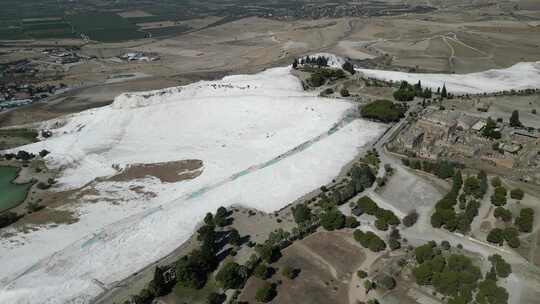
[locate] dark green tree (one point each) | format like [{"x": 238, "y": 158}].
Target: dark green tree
[
  {"x": 514, "y": 119},
  {"x": 496, "y": 236},
  {"x": 444, "y": 94},
  {"x": 301, "y": 213},
  {"x": 502, "y": 268},
  {"x": 231, "y": 275},
  {"x": 332, "y": 219}
]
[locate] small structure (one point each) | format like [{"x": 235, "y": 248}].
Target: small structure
[
  {"x": 169, "y": 275},
  {"x": 413, "y": 139},
  {"x": 479, "y": 125},
  {"x": 510, "y": 148},
  {"x": 482, "y": 106},
  {"x": 357, "y": 211}
]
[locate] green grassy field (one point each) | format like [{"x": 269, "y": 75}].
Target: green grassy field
[
  {"x": 12, "y": 138},
  {"x": 101, "y": 19}
]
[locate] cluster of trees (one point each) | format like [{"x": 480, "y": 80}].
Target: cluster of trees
[
  {"x": 221, "y": 219},
  {"x": 369, "y": 240},
  {"x": 499, "y": 266},
  {"x": 302, "y": 213},
  {"x": 232, "y": 275},
  {"x": 503, "y": 214},
  {"x": 525, "y": 220},
  {"x": 360, "y": 177},
  {"x": 445, "y": 214},
  {"x": 332, "y": 219},
  {"x": 385, "y": 218},
  {"x": 442, "y": 169},
  {"x": 7, "y": 218},
  {"x": 455, "y": 276},
  {"x": 394, "y": 239},
  {"x": 407, "y": 92},
  {"x": 476, "y": 186},
  {"x": 20, "y": 155},
  {"x": 383, "y": 110},
  {"x": 372, "y": 158},
  {"x": 321, "y": 75},
  {"x": 319, "y": 61},
  {"x": 193, "y": 269},
  {"x": 490, "y": 129},
  {"x": 349, "y": 67},
  {"x": 523, "y": 223},
  {"x": 499, "y": 196},
  {"x": 508, "y": 234},
  {"x": 388, "y": 172}
]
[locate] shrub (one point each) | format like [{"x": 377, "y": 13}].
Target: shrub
[
  {"x": 265, "y": 293},
  {"x": 289, "y": 272},
  {"x": 410, "y": 219},
  {"x": 351, "y": 222},
  {"x": 445, "y": 245},
  {"x": 361, "y": 274},
  {"x": 216, "y": 298},
  {"x": 262, "y": 271},
  {"x": 369, "y": 240},
  {"x": 496, "y": 182},
  {"x": 394, "y": 244},
  {"x": 386, "y": 282}
]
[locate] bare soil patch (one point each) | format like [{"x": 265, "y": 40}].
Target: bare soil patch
[
  {"x": 134, "y": 14},
  {"x": 166, "y": 172},
  {"x": 326, "y": 261}
]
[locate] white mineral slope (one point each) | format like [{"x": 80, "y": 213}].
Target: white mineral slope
[
  {"x": 524, "y": 75},
  {"x": 263, "y": 140}
]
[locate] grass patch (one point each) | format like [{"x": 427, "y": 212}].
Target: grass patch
[
  {"x": 190, "y": 295},
  {"x": 12, "y": 138},
  {"x": 105, "y": 27},
  {"x": 382, "y": 110},
  {"x": 168, "y": 31}
]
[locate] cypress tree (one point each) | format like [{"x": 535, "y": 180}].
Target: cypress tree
[{"x": 444, "y": 94}]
